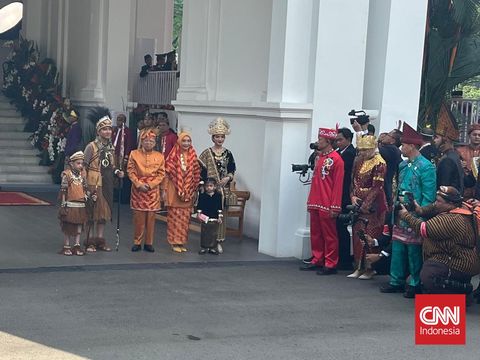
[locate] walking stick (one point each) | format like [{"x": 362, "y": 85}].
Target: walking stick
[{"x": 122, "y": 154}]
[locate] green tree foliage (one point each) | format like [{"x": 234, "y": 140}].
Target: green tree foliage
[{"x": 177, "y": 22}]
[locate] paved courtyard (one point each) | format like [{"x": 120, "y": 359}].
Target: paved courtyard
[{"x": 241, "y": 305}]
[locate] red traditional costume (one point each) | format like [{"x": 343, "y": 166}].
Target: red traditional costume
[
  {"x": 166, "y": 142},
  {"x": 181, "y": 184},
  {"x": 145, "y": 168},
  {"x": 324, "y": 202},
  {"x": 368, "y": 179}
]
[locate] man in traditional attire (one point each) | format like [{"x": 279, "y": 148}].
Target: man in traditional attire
[
  {"x": 449, "y": 243},
  {"x": 367, "y": 193},
  {"x": 449, "y": 167},
  {"x": 427, "y": 149},
  {"x": 469, "y": 157},
  {"x": 324, "y": 204},
  {"x": 146, "y": 170},
  {"x": 348, "y": 153},
  {"x": 74, "y": 135},
  {"x": 417, "y": 176},
  {"x": 100, "y": 168},
  {"x": 166, "y": 138}
]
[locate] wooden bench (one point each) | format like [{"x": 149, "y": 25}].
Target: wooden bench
[{"x": 234, "y": 211}]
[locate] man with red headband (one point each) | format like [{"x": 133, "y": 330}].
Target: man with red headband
[
  {"x": 324, "y": 204},
  {"x": 469, "y": 156}
]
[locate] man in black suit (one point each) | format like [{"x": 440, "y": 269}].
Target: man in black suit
[
  {"x": 389, "y": 149},
  {"x": 346, "y": 150},
  {"x": 428, "y": 150}
]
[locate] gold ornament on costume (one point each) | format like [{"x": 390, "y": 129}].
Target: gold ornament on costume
[
  {"x": 219, "y": 126},
  {"x": 367, "y": 142},
  {"x": 103, "y": 123}
]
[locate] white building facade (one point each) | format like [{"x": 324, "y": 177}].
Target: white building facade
[{"x": 277, "y": 70}]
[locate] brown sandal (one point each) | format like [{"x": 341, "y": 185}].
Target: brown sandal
[
  {"x": 66, "y": 250},
  {"x": 91, "y": 249},
  {"x": 77, "y": 250}
]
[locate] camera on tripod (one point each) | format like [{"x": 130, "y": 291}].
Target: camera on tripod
[
  {"x": 360, "y": 116},
  {"x": 406, "y": 199}
]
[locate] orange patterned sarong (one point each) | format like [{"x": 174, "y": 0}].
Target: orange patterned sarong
[{"x": 178, "y": 220}]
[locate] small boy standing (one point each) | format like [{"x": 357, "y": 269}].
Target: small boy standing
[
  {"x": 209, "y": 211},
  {"x": 72, "y": 213}
]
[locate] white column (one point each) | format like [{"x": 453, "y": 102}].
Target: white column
[
  {"x": 93, "y": 90},
  {"x": 403, "y": 63},
  {"x": 283, "y": 201},
  {"x": 32, "y": 20},
  {"x": 194, "y": 51},
  {"x": 117, "y": 55},
  {"x": 340, "y": 61}
]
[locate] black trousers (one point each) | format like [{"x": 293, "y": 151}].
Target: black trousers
[
  {"x": 433, "y": 273},
  {"x": 344, "y": 240}
]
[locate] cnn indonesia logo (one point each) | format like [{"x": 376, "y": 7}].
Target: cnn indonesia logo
[{"x": 440, "y": 319}]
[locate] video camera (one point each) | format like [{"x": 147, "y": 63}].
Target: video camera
[
  {"x": 360, "y": 116},
  {"x": 406, "y": 199},
  {"x": 303, "y": 169},
  {"x": 353, "y": 215}
]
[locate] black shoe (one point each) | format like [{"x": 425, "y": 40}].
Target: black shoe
[
  {"x": 308, "y": 261},
  {"x": 327, "y": 271},
  {"x": 310, "y": 267},
  {"x": 136, "y": 248},
  {"x": 148, "y": 248},
  {"x": 202, "y": 251},
  {"x": 411, "y": 291},
  {"x": 213, "y": 251},
  {"x": 389, "y": 288}
]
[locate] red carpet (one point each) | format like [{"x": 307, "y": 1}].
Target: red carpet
[{"x": 9, "y": 198}]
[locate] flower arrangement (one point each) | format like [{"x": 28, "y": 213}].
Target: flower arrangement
[{"x": 34, "y": 88}]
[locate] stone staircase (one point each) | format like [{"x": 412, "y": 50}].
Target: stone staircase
[{"x": 18, "y": 159}]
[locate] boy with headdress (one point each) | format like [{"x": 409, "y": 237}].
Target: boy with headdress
[
  {"x": 324, "y": 204},
  {"x": 146, "y": 170},
  {"x": 72, "y": 214},
  {"x": 101, "y": 169},
  {"x": 469, "y": 157},
  {"x": 449, "y": 167},
  {"x": 416, "y": 176}
]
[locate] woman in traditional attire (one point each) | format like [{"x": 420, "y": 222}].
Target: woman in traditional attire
[
  {"x": 181, "y": 184},
  {"x": 218, "y": 163},
  {"x": 368, "y": 193},
  {"x": 101, "y": 169}
]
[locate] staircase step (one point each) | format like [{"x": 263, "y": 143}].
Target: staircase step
[
  {"x": 12, "y": 127},
  {"x": 12, "y": 120},
  {"x": 12, "y": 135},
  {"x": 9, "y": 151},
  {"x": 23, "y": 169},
  {"x": 25, "y": 178},
  {"x": 20, "y": 160},
  {"x": 5, "y": 105},
  {"x": 8, "y": 112},
  {"x": 16, "y": 144}
]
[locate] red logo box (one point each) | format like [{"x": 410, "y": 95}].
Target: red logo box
[{"x": 440, "y": 320}]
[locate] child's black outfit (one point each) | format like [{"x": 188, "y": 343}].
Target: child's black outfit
[{"x": 211, "y": 206}]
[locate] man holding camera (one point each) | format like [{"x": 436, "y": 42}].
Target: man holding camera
[
  {"x": 416, "y": 182},
  {"x": 449, "y": 243},
  {"x": 324, "y": 205}
]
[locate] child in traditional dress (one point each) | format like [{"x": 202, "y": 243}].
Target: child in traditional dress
[
  {"x": 209, "y": 212},
  {"x": 72, "y": 214}
]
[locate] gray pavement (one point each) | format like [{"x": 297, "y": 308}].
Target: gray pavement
[{"x": 240, "y": 305}]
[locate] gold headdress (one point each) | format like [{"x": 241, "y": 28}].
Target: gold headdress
[
  {"x": 103, "y": 123},
  {"x": 219, "y": 126},
  {"x": 367, "y": 142},
  {"x": 77, "y": 156}
]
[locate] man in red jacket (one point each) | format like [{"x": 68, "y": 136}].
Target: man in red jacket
[{"x": 324, "y": 204}]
